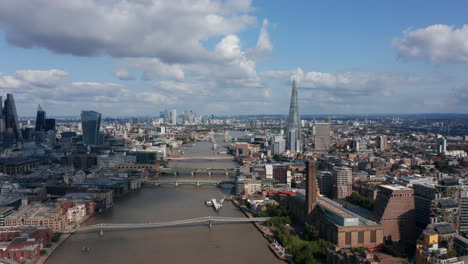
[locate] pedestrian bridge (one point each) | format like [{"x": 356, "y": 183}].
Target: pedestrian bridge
[
  {"x": 193, "y": 182},
  {"x": 209, "y": 220},
  {"x": 200, "y": 158}
]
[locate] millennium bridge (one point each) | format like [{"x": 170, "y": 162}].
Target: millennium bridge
[
  {"x": 192, "y": 182},
  {"x": 195, "y": 158},
  {"x": 208, "y": 220}
]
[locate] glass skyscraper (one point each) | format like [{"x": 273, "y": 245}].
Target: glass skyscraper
[
  {"x": 293, "y": 137},
  {"x": 12, "y": 133},
  {"x": 40, "y": 118},
  {"x": 91, "y": 123}
]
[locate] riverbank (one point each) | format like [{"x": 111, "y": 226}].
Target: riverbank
[
  {"x": 62, "y": 239},
  {"x": 267, "y": 233}
]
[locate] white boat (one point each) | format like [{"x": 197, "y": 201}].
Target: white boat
[{"x": 208, "y": 203}]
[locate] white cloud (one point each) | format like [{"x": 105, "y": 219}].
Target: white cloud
[
  {"x": 438, "y": 43},
  {"x": 154, "y": 68},
  {"x": 263, "y": 42},
  {"x": 41, "y": 78},
  {"x": 123, "y": 75},
  {"x": 173, "y": 31},
  {"x": 10, "y": 82}
]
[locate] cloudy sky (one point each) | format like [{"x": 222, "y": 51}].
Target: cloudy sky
[{"x": 139, "y": 57}]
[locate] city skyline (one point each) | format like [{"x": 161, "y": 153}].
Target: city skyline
[{"x": 235, "y": 57}]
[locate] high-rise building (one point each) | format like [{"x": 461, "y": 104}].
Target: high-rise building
[
  {"x": 464, "y": 211},
  {"x": 49, "y": 124},
  {"x": 12, "y": 134},
  {"x": 322, "y": 136},
  {"x": 394, "y": 208},
  {"x": 441, "y": 145},
  {"x": 174, "y": 117},
  {"x": 40, "y": 118},
  {"x": 382, "y": 142},
  {"x": 293, "y": 137},
  {"x": 355, "y": 144},
  {"x": 343, "y": 182},
  {"x": 325, "y": 183},
  {"x": 278, "y": 145},
  {"x": 2, "y": 120},
  {"x": 91, "y": 123}
]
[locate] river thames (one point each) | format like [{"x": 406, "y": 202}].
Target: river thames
[{"x": 223, "y": 243}]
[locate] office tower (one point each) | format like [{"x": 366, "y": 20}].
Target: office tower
[
  {"x": 293, "y": 137},
  {"x": 343, "y": 182},
  {"x": 2, "y": 118},
  {"x": 12, "y": 134},
  {"x": 322, "y": 136},
  {"x": 325, "y": 183},
  {"x": 464, "y": 211},
  {"x": 382, "y": 142},
  {"x": 40, "y": 118},
  {"x": 174, "y": 117},
  {"x": 394, "y": 207},
  {"x": 167, "y": 118},
  {"x": 355, "y": 144},
  {"x": 91, "y": 123},
  {"x": 49, "y": 124},
  {"x": 441, "y": 145},
  {"x": 278, "y": 145}
]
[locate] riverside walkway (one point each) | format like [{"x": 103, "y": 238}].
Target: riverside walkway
[{"x": 209, "y": 220}]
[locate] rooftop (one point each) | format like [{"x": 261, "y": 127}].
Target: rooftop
[{"x": 395, "y": 187}]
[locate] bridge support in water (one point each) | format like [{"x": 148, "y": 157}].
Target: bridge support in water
[{"x": 209, "y": 222}]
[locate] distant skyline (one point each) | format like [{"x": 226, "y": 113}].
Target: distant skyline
[{"x": 234, "y": 57}]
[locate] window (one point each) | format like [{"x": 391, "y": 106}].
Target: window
[
  {"x": 348, "y": 238},
  {"x": 373, "y": 236},
  {"x": 361, "y": 237}
]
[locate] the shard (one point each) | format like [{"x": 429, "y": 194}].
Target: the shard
[{"x": 293, "y": 138}]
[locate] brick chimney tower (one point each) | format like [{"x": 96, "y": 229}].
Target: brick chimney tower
[{"x": 311, "y": 187}]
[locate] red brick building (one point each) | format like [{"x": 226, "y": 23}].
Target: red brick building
[{"x": 394, "y": 208}]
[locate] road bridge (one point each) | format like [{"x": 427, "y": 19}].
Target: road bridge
[
  {"x": 209, "y": 220},
  {"x": 193, "y": 172}
]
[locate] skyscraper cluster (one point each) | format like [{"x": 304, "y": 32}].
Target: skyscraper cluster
[
  {"x": 293, "y": 137},
  {"x": 10, "y": 132}
]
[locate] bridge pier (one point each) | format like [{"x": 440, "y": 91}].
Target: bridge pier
[
  {"x": 198, "y": 183},
  {"x": 192, "y": 173},
  {"x": 209, "y": 222},
  {"x": 176, "y": 183},
  {"x": 209, "y": 173}
]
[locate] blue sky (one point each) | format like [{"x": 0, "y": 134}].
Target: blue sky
[{"x": 139, "y": 57}]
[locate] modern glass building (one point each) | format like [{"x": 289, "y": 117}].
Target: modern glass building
[
  {"x": 40, "y": 118},
  {"x": 293, "y": 136},
  {"x": 91, "y": 123},
  {"x": 13, "y": 133}
]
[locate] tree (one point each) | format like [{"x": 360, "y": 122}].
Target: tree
[
  {"x": 395, "y": 167},
  {"x": 277, "y": 157},
  {"x": 311, "y": 233}
]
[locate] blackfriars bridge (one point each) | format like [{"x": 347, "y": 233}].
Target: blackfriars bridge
[
  {"x": 209, "y": 220},
  {"x": 198, "y": 172}
]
